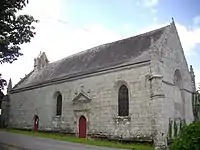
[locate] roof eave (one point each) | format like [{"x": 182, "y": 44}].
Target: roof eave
[{"x": 64, "y": 78}]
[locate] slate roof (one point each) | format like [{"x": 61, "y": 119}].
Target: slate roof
[{"x": 129, "y": 50}]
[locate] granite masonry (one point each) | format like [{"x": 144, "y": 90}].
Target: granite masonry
[{"x": 128, "y": 89}]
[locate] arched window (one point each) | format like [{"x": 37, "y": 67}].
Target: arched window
[
  {"x": 59, "y": 105},
  {"x": 123, "y": 101}
]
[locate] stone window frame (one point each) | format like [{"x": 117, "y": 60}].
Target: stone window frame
[
  {"x": 58, "y": 97},
  {"x": 116, "y": 88},
  {"x": 59, "y": 105},
  {"x": 123, "y": 101}
]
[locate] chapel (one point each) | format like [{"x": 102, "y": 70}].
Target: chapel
[{"x": 129, "y": 89}]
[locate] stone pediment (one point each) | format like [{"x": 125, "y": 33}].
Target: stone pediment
[{"x": 81, "y": 98}]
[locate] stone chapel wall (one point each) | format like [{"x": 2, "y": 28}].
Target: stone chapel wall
[
  {"x": 101, "y": 112},
  {"x": 173, "y": 60}
]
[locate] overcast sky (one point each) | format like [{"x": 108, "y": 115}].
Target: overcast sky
[{"x": 69, "y": 26}]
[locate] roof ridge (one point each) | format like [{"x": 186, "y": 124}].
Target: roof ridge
[
  {"x": 106, "y": 44},
  {"x": 137, "y": 35}
]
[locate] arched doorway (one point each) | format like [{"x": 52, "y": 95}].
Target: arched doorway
[
  {"x": 82, "y": 127},
  {"x": 36, "y": 122}
]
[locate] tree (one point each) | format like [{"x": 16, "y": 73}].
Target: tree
[
  {"x": 2, "y": 83},
  {"x": 14, "y": 31},
  {"x": 1, "y": 98},
  {"x": 188, "y": 138}
]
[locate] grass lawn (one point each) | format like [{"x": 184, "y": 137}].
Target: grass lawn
[{"x": 85, "y": 141}]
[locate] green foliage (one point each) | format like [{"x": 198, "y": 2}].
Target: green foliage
[
  {"x": 170, "y": 128},
  {"x": 188, "y": 139},
  {"x": 182, "y": 124},
  {"x": 1, "y": 98},
  {"x": 196, "y": 105},
  {"x": 14, "y": 30},
  {"x": 2, "y": 83},
  {"x": 175, "y": 129}
]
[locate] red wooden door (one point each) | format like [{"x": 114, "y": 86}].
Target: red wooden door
[
  {"x": 36, "y": 123},
  {"x": 82, "y": 127}
]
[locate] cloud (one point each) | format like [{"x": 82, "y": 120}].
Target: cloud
[
  {"x": 127, "y": 28},
  {"x": 44, "y": 8},
  {"x": 155, "y": 19},
  {"x": 147, "y": 3},
  {"x": 98, "y": 34},
  {"x": 196, "y": 20},
  {"x": 57, "y": 39},
  {"x": 40, "y": 10},
  {"x": 153, "y": 10},
  {"x": 152, "y": 27},
  {"x": 189, "y": 36}
]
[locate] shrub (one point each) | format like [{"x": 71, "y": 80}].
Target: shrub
[{"x": 188, "y": 139}]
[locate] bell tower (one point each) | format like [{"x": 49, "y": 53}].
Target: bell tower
[{"x": 41, "y": 61}]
